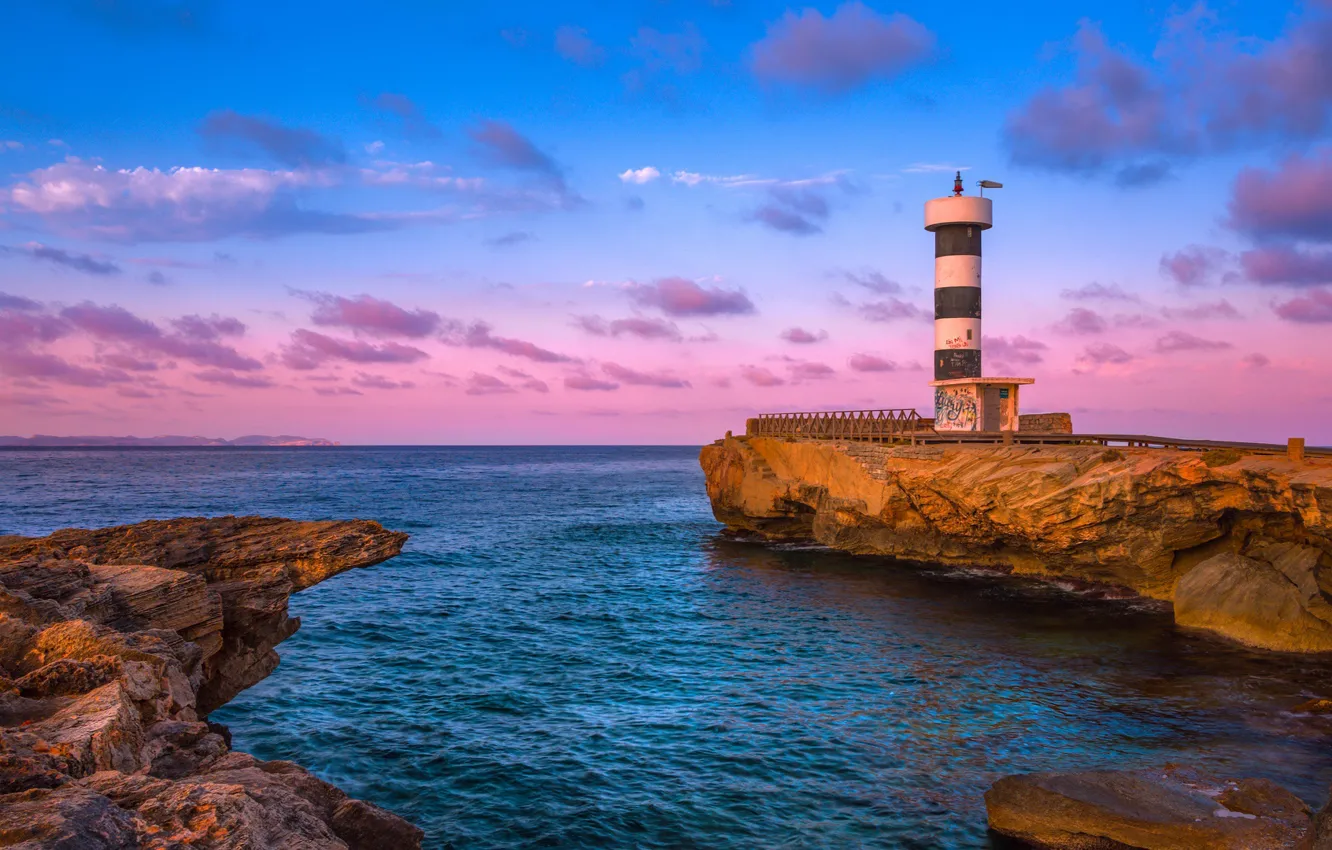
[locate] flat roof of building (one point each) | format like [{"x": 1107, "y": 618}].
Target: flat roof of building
[{"x": 955, "y": 382}]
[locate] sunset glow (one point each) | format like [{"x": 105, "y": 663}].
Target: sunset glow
[{"x": 568, "y": 223}]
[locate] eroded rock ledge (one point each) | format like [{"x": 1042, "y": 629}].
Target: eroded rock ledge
[
  {"x": 115, "y": 644},
  {"x": 1241, "y": 545}
]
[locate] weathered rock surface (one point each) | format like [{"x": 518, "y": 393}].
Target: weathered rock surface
[
  {"x": 1165, "y": 809},
  {"x": 114, "y": 645},
  {"x": 1242, "y": 546}
]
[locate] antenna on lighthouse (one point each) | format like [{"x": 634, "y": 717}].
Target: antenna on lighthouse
[{"x": 988, "y": 184}]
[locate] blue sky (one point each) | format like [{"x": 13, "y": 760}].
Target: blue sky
[{"x": 814, "y": 134}]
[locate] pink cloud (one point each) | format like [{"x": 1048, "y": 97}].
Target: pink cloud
[
  {"x": 1185, "y": 341},
  {"x": 380, "y": 382},
  {"x": 1018, "y": 349},
  {"x": 1288, "y": 265},
  {"x": 643, "y": 328},
  {"x": 479, "y": 383},
  {"x": 871, "y": 363},
  {"x": 336, "y": 391},
  {"x": 875, "y": 282},
  {"x": 1080, "y": 321},
  {"x": 1222, "y": 309},
  {"x": 85, "y": 263},
  {"x": 1312, "y": 308},
  {"x": 1294, "y": 201},
  {"x": 890, "y": 310},
  {"x": 1114, "y": 109},
  {"x": 645, "y": 379},
  {"x": 367, "y": 314},
  {"x": 19, "y": 363},
  {"x": 309, "y": 350},
  {"x": 1206, "y": 92},
  {"x": 1099, "y": 292},
  {"x": 211, "y": 328},
  {"x": 18, "y": 302},
  {"x": 1256, "y": 360},
  {"x": 811, "y": 371},
  {"x": 587, "y": 383},
  {"x": 478, "y": 335},
  {"x": 1194, "y": 265},
  {"x": 25, "y": 328},
  {"x": 800, "y": 336},
  {"x": 231, "y": 379},
  {"x": 526, "y": 381},
  {"x": 1103, "y": 353},
  {"x": 677, "y": 296},
  {"x": 121, "y": 360},
  {"x": 760, "y": 377},
  {"x": 195, "y": 339},
  {"x": 842, "y": 52},
  {"x": 110, "y": 322}
]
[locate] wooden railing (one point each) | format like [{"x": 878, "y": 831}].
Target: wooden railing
[
  {"x": 887, "y": 426},
  {"x": 882, "y": 426},
  {"x": 1125, "y": 440}
]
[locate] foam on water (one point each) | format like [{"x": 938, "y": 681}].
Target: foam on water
[{"x": 570, "y": 653}]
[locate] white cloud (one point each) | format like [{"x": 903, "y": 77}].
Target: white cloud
[
  {"x": 374, "y": 147},
  {"x": 734, "y": 181},
  {"x": 640, "y": 176},
  {"x": 10, "y": 145},
  {"x": 693, "y": 178}
]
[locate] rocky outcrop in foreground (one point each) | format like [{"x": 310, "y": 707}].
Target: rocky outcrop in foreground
[
  {"x": 115, "y": 644},
  {"x": 1241, "y": 544},
  {"x": 1170, "y": 808}
]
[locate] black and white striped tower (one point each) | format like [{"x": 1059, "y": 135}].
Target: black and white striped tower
[{"x": 957, "y": 222}]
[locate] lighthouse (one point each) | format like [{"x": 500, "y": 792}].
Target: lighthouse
[{"x": 964, "y": 400}]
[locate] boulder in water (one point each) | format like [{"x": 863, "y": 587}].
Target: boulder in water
[{"x": 1169, "y": 808}]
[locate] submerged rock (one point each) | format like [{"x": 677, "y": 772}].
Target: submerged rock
[
  {"x": 114, "y": 645},
  {"x": 1170, "y": 808},
  {"x": 1244, "y": 549}
]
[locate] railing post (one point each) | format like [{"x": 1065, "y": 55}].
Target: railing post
[{"x": 1295, "y": 449}]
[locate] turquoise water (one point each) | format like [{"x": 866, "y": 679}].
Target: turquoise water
[{"x": 571, "y": 654}]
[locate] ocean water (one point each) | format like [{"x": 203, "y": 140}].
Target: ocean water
[{"x": 570, "y": 653}]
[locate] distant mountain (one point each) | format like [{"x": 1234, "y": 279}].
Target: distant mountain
[{"x": 44, "y": 440}]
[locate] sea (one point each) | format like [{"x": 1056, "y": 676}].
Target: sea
[{"x": 571, "y": 652}]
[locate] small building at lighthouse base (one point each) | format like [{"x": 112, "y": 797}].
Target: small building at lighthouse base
[{"x": 977, "y": 404}]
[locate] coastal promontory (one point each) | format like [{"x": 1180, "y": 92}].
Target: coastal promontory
[
  {"x": 1240, "y": 543},
  {"x": 116, "y": 643}
]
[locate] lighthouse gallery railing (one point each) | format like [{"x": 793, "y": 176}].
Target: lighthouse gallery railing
[{"x": 872, "y": 425}]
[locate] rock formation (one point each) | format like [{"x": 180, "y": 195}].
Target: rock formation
[
  {"x": 115, "y": 644},
  {"x": 1239, "y": 543},
  {"x": 1169, "y": 808}
]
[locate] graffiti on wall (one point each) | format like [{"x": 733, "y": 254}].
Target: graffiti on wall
[{"x": 955, "y": 409}]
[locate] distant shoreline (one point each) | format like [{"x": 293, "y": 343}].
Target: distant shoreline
[
  {"x": 78, "y": 447},
  {"x": 46, "y": 441}
]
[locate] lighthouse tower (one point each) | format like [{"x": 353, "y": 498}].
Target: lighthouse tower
[{"x": 963, "y": 399}]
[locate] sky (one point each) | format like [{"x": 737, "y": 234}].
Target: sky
[{"x": 643, "y": 222}]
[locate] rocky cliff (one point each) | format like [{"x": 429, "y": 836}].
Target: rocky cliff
[
  {"x": 1241, "y": 544},
  {"x": 114, "y": 645}
]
